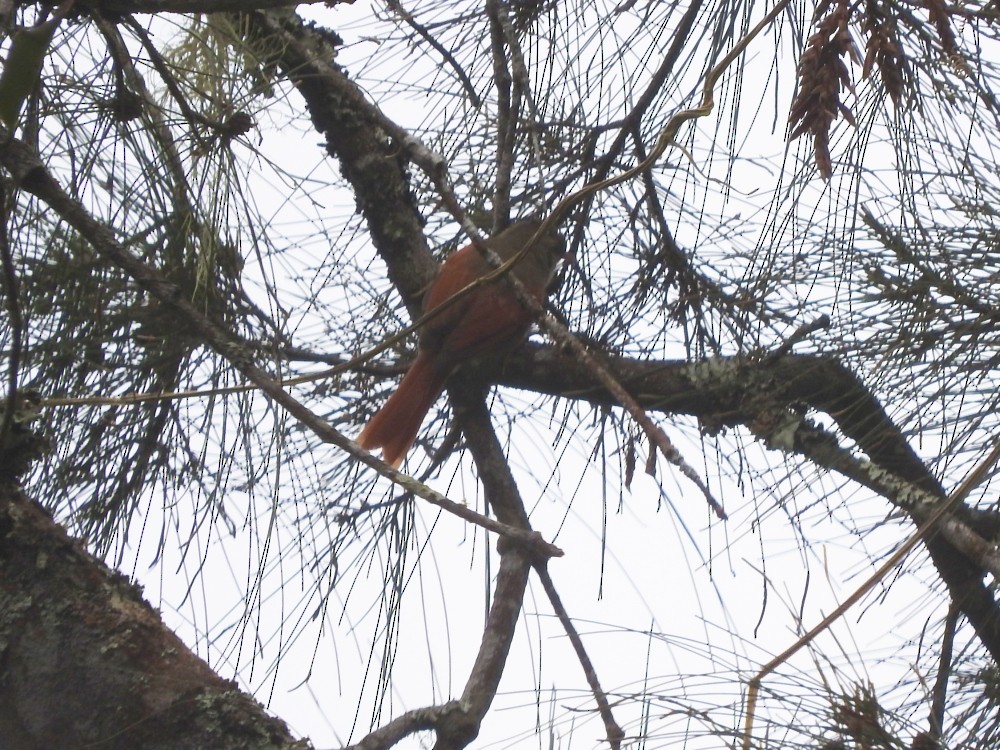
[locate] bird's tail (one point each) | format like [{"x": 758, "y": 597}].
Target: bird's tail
[{"x": 394, "y": 427}]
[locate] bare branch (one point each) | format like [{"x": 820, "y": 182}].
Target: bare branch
[
  {"x": 768, "y": 397},
  {"x": 614, "y": 732},
  {"x": 939, "y": 692}
]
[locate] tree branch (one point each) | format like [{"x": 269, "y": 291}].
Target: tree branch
[
  {"x": 728, "y": 392},
  {"x": 614, "y": 732},
  {"x": 15, "y": 321},
  {"x": 67, "y": 620},
  {"x": 370, "y": 149}
]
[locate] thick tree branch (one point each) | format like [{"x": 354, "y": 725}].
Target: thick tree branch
[
  {"x": 766, "y": 395},
  {"x": 67, "y": 620},
  {"x": 371, "y": 150},
  {"x": 505, "y": 501},
  {"x": 15, "y": 321},
  {"x": 503, "y": 497}
]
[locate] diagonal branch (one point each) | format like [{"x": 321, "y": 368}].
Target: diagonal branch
[
  {"x": 611, "y": 727},
  {"x": 70, "y": 620},
  {"x": 369, "y": 147},
  {"x": 15, "y": 321}
]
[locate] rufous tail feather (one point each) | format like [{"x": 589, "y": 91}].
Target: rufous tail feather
[{"x": 394, "y": 427}]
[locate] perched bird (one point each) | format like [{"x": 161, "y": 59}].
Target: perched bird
[{"x": 486, "y": 321}]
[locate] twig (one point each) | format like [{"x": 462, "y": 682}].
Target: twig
[
  {"x": 615, "y": 734},
  {"x": 508, "y": 111},
  {"x": 160, "y": 66},
  {"x": 500, "y": 19},
  {"x": 939, "y": 693},
  {"x": 823, "y": 321},
  {"x": 422, "y": 31},
  {"x": 669, "y": 132}
]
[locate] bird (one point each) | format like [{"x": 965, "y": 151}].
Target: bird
[{"x": 486, "y": 321}]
